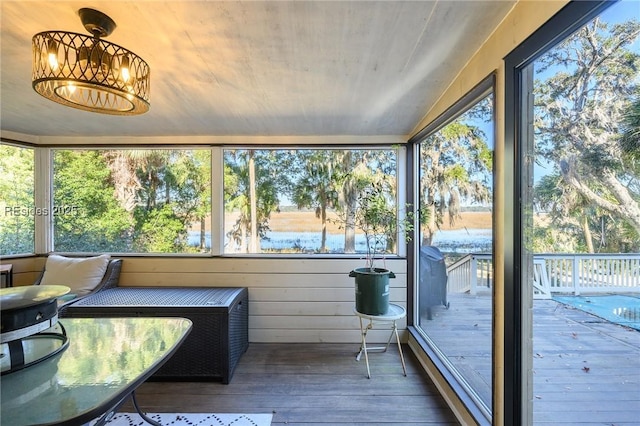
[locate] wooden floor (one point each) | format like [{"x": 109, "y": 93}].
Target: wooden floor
[
  {"x": 586, "y": 371},
  {"x": 311, "y": 384}
]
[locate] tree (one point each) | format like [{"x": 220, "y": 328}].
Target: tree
[
  {"x": 143, "y": 200},
  {"x": 174, "y": 193},
  {"x": 193, "y": 178},
  {"x": 267, "y": 178},
  {"x": 315, "y": 186},
  {"x": 579, "y": 109},
  {"x": 96, "y": 221},
  {"x": 351, "y": 179},
  {"x": 630, "y": 139},
  {"x": 455, "y": 164},
  {"x": 568, "y": 210},
  {"x": 17, "y": 225}
]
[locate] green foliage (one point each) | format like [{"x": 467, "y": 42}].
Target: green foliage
[
  {"x": 159, "y": 230},
  {"x": 130, "y": 200},
  {"x": 270, "y": 176},
  {"x": 377, "y": 218},
  {"x": 17, "y": 203},
  {"x": 456, "y": 164},
  {"x": 94, "y": 221},
  {"x": 316, "y": 185},
  {"x": 630, "y": 139},
  {"x": 585, "y": 122}
]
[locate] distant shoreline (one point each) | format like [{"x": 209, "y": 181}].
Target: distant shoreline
[
  {"x": 301, "y": 221},
  {"x": 306, "y": 221}
]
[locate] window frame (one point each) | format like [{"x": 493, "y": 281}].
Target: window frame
[
  {"x": 45, "y": 185},
  {"x": 481, "y": 413},
  {"x": 43, "y": 177},
  {"x": 38, "y": 218},
  {"x": 401, "y": 197},
  {"x": 518, "y": 395}
]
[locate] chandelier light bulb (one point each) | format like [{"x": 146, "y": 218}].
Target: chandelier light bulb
[
  {"x": 124, "y": 69},
  {"x": 52, "y": 53}
]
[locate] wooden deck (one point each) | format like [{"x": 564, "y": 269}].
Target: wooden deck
[
  {"x": 311, "y": 384},
  {"x": 586, "y": 370}
]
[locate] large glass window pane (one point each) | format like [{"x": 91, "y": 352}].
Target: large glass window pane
[
  {"x": 582, "y": 218},
  {"x": 301, "y": 200},
  {"x": 132, "y": 201},
  {"x": 17, "y": 200},
  {"x": 455, "y": 275}
]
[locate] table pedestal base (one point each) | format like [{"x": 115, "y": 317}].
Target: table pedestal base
[{"x": 104, "y": 419}]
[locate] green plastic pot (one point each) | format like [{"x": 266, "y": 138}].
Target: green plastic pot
[{"x": 372, "y": 290}]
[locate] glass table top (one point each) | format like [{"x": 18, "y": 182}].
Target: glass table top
[{"x": 107, "y": 358}]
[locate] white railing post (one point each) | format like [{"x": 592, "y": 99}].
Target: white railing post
[
  {"x": 575, "y": 275},
  {"x": 473, "y": 275}
]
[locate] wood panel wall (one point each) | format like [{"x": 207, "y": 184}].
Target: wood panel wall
[{"x": 290, "y": 300}]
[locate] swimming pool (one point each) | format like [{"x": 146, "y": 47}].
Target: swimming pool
[{"x": 616, "y": 308}]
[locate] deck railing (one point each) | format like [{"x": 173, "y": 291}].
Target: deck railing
[
  {"x": 471, "y": 274},
  {"x": 554, "y": 273}
]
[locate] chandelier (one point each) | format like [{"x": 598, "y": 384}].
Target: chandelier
[{"x": 89, "y": 73}]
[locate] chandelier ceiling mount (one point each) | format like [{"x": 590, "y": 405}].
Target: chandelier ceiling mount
[{"x": 96, "y": 22}]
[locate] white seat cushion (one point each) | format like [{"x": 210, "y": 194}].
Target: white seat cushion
[{"x": 80, "y": 274}]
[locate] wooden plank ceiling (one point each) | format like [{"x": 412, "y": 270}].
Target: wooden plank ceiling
[{"x": 258, "y": 68}]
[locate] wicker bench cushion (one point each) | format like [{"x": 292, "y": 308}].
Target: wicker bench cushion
[{"x": 80, "y": 274}]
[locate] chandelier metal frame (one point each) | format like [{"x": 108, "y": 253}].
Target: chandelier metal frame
[{"x": 89, "y": 73}]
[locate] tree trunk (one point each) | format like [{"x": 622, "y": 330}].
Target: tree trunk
[
  {"x": 323, "y": 218},
  {"x": 253, "y": 243},
  {"x": 588, "y": 238},
  {"x": 203, "y": 241},
  {"x": 350, "y": 231},
  {"x": 626, "y": 206},
  {"x": 349, "y": 199},
  {"x": 429, "y": 230}
]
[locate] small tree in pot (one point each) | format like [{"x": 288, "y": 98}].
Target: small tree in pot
[{"x": 376, "y": 216}]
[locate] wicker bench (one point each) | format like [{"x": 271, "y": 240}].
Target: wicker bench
[{"x": 220, "y": 325}]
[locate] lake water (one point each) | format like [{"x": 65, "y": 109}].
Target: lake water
[{"x": 454, "y": 241}]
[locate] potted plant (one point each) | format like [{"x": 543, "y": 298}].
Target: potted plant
[{"x": 376, "y": 216}]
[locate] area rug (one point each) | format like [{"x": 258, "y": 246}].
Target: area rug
[
  {"x": 191, "y": 419},
  {"x": 619, "y": 309}
]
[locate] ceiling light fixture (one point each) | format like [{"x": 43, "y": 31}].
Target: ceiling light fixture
[{"x": 89, "y": 73}]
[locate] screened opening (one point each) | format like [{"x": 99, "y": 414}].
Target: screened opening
[
  {"x": 17, "y": 200},
  {"x": 305, "y": 201},
  {"x": 131, "y": 201}
]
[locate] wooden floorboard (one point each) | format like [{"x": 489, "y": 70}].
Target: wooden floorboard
[
  {"x": 586, "y": 372},
  {"x": 311, "y": 384}
]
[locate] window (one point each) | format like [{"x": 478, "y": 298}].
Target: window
[
  {"x": 584, "y": 206},
  {"x": 571, "y": 94},
  {"x": 131, "y": 201},
  {"x": 300, "y": 200},
  {"x": 454, "y": 285},
  {"x": 17, "y": 200},
  {"x": 166, "y": 200}
]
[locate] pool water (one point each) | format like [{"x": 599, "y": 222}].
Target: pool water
[{"x": 619, "y": 309}]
